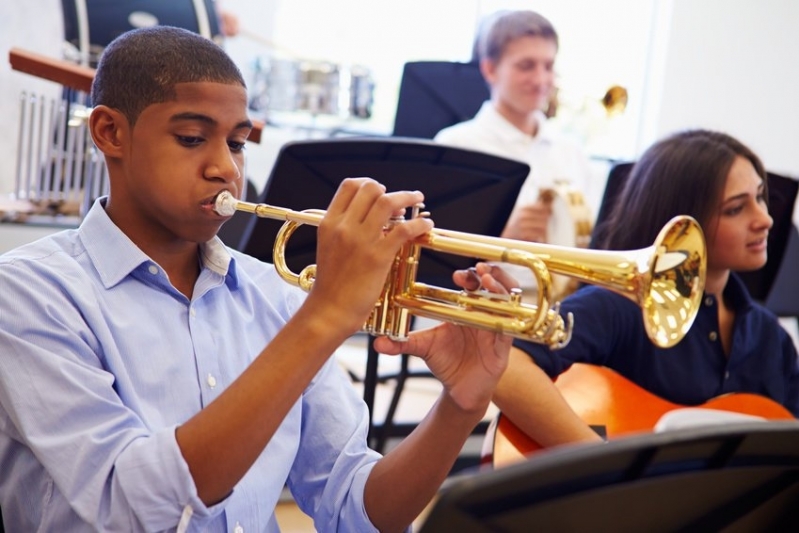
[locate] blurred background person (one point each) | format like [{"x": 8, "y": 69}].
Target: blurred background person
[{"x": 517, "y": 51}]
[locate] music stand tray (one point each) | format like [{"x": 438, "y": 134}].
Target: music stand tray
[{"x": 736, "y": 477}]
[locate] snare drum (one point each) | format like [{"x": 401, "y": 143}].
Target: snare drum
[
  {"x": 319, "y": 83},
  {"x": 315, "y": 87},
  {"x": 361, "y": 92},
  {"x": 276, "y": 85}
]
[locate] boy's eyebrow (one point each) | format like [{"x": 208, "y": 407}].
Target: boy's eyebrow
[{"x": 199, "y": 117}]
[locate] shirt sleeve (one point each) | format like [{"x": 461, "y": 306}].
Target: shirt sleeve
[
  {"x": 333, "y": 462},
  {"x": 601, "y": 322},
  {"x": 59, "y": 398}
]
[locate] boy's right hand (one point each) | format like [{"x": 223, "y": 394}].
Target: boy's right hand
[
  {"x": 529, "y": 222},
  {"x": 354, "y": 253}
]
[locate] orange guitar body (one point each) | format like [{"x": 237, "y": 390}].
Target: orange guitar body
[{"x": 603, "y": 398}]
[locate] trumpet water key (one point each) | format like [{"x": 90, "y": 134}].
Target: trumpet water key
[{"x": 666, "y": 279}]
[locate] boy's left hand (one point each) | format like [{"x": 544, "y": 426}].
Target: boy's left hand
[{"x": 468, "y": 361}]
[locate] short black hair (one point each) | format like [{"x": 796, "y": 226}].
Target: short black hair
[{"x": 141, "y": 67}]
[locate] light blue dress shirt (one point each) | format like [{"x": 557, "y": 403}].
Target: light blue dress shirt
[{"x": 101, "y": 358}]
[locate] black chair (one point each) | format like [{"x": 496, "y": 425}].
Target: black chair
[
  {"x": 735, "y": 477},
  {"x": 771, "y": 285},
  {"x": 436, "y": 94},
  {"x": 465, "y": 190}
]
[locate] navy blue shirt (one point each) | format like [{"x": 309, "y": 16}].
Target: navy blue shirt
[{"x": 609, "y": 331}]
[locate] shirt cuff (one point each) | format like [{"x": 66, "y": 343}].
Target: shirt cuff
[{"x": 158, "y": 485}]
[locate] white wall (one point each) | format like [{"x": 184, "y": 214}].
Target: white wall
[
  {"x": 34, "y": 25},
  {"x": 732, "y": 65}
]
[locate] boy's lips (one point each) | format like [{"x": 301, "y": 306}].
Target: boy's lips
[
  {"x": 211, "y": 200},
  {"x": 209, "y": 203}
]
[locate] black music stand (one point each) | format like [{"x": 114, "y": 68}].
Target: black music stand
[
  {"x": 735, "y": 477},
  {"x": 464, "y": 190},
  {"x": 436, "y": 94}
]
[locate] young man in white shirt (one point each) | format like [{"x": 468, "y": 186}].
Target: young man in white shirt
[{"x": 517, "y": 51}]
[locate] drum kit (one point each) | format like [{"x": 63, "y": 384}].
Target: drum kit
[{"x": 314, "y": 87}]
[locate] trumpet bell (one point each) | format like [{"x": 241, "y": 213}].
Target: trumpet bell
[
  {"x": 676, "y": 273},
  {"x": 666, "y": 280}
]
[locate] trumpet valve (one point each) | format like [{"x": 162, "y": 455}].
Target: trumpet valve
[{"x": 515, "y": 296}]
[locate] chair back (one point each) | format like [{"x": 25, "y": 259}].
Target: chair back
[{"x": 436, "y": 94}]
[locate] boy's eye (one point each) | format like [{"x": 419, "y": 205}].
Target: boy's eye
[
  {"x": 236, "y": 146},
  {"x": 189, "y": 140}
]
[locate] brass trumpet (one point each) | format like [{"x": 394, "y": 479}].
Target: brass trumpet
[{"x": 666, "y": 279}]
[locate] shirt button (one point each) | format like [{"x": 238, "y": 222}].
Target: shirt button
[
  {"x": 211, "y": 380},
  {"x": 153, "y": 269},
  {"x": 238, "y": 528},
  {"x": 727, "y": 375},
  {"x": 709, "y": 301},
  {"x": 192, "y": 312},
  {"x": 713, "y": 336}
]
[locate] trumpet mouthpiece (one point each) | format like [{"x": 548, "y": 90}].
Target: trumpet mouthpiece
[{"x": 225, "y": 204}]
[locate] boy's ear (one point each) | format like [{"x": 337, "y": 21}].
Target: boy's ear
[
  {"x": 109, "y": 129},
  {"x": 487, "y": 68}
]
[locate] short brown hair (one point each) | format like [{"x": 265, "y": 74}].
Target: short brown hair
[{"x": 498, "y": 30}]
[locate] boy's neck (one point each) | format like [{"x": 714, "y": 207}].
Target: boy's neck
[
  {"x": 181, "y": 265},
  {"x": 527, "y": 123}
]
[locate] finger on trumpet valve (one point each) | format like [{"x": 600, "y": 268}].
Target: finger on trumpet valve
[
  {"x": 416, "y": 211},
  {"x": 475, "y": 277}
]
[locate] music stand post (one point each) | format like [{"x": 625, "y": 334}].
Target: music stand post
[{"x": 465, "y": 190}]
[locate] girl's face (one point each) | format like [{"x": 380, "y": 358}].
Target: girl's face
[{"x": 737, "y": 233}]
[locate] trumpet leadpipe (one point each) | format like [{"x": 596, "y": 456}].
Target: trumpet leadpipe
[
  {"x": 226, "y": 204},
  {"x": 446, "y": 241}
]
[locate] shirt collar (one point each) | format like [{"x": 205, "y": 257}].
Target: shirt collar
[
  {"x": 490, "y": 118},
  {"x": 115, "y": 256}
]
